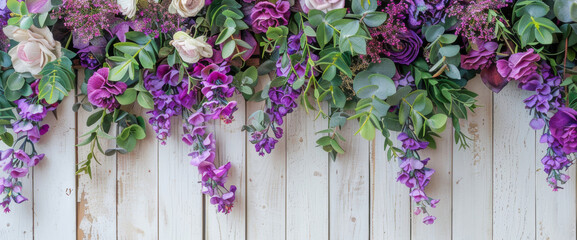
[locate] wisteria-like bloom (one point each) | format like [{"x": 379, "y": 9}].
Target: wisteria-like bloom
[
  {"x": 519, "y": 65},
  {"x": 266, "y": 14},
  {"x": 35, "y": 49},
  {"x": 481, "y": 58},
  {"x": 564, "y": 129},
  {"x": 102, "y": 92}
]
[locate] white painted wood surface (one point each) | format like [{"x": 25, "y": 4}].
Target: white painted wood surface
[{"x": 496, "y": 189}]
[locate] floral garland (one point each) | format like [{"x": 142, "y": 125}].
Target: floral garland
[{"x": 398, "y": 66}]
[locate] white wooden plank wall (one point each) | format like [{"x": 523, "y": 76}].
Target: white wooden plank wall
[{"x": 496, "y": 189}]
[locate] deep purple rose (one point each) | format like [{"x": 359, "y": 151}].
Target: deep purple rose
[
  {"x": 102, "y": 92},
  {"x": 266, "y": 14},
  {"x": 408, "y": 49},
  {"x": 564, "y": 129},
  {"x": 519, "y": 66},
  {"x": 480, "y": 59}
]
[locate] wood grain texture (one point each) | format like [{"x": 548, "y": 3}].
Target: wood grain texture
[
  {"x": 390, "y": 201},
  {"x": 137, "y": 185},
  {"x": 96, "y": 198},
  {"x": 54, "y": 177},
  {"x": 19, "y": 224},
  {"x": 266, "y": 189},
  {"x": 554, "y": 211},
  {"x": 231, "y": 147},
  {"x": 513, "y": 167},
  {"x": 349, "y": 188},
  {"x": 473, "y": 171},
  {"x": 307, "y": 178},
  {"x": 440, "y": 187},
  {"x": 180, "y": 201}
]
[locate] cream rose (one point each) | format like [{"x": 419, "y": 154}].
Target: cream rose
[
  {"x": 36, "y": 47},
  {"x": 323, "y": 5},
  {"x": 127, "y": 7},
  {"x": 186, "y": 8},
  {"x": 191, "y": 50}
]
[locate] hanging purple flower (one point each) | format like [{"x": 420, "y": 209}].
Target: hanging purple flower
[
  {"x": 266, "y": 14},
  {"x": 102, "y": 92},
  {"x": 407, "y": 50},
  {"x": 564, "y": 129}
]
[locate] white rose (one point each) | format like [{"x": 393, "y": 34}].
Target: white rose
[
  {"x": 127, "y": 7},
  {"x": 186, "y": 8},
  {"x": 36, "y": 47},
  {"x": 323, "y": 5},
  {"x": 191, "y": 50}
]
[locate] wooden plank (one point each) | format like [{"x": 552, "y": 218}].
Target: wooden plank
[
  {"x": 231, "y": 147},
  {"x": 439, "y": 188},
  {"x": 390, "y": 200},
  {"x": 473, "y": 171},
  {"x": 19, "y": 223},
  {"x": 555, "y": 211},
  {"x": 180, "y": 200},
  {"x": 349, "y": 188},
  {"x": 96, "y": 198},
  {"x": 307, "y": 178},
  {"x": 266, "y": 188},
  {"x": 513, "y": 166},
  {"x": 138, "y": 188},
  {"x": 55, "y": 179}
]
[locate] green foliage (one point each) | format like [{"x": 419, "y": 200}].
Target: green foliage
[
  {"x": 533, "y": 26},
  {"x": 57, "y": 80},
  {"x": 139, "y": 51}
]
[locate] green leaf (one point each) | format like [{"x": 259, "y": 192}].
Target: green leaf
[
  {"x": 93, "y": 118},
  {"x": 375, "y": 19},
  {"x": 145, "y": 100},
  {"x": 128, "y": 97},
  {"x": 368, "y": 130},
  {"x": 7, "y": 138},
  {"x": 437, "y": 122},
  {"x": 26, "y": 22},
  {"x": 129, "y": 48},
  {"x": 336, "y": 146},
  {"x": 434, "y": 32},
  {"x": 450, "y": 51},
  {"x": 228, "y": 49},
  {"x": 367, "y": 85},
  {"x": 146, "y": 60},
  {"x": 15, "y": 81}
]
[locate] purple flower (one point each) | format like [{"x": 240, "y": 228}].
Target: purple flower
[
  {"x": 92, "y": 55},
  {"x": 31, "y": 111},
  {"x": 410, "y": 143},
  {"x": 18, "y": 172},
  {"x": 519, "y": 66},
  {"x": 429, "y": 220},
  {"x": 19, "y": 199},
  {"x": 564, "y": 129},
  {"x": 266, "y": 14},
  {"x": 407, "y": 50},
  {"x": 102, "y": 92},
  {"x": 411, "y": 164},
  {"x": 418, "y": 195},
  {"x": 425, "y": 11},
  {"x": 217, "y": 83},
  {"x": 480, "y": 59}
]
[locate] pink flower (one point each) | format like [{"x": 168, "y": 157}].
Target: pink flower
[
  {"x": 429, "y": 220},
  {"x": 39, "y": 6},
  {"x": 102, "y": 92},
  {"x": 266, "y": 14},
  {"x": 418, "y": 195},
  {"x": 18, "y": 172},
  {"x": 323, "y": 5}
]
